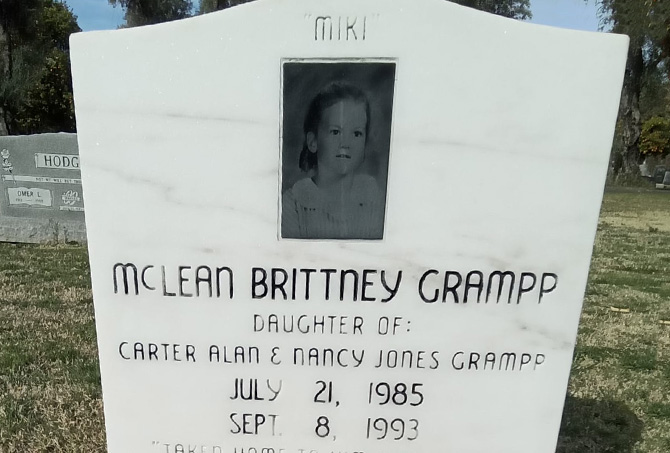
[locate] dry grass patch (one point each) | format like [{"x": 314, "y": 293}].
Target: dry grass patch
[
  {"x": 49, "y": 379},
  {"x": 619, "y": 393}
]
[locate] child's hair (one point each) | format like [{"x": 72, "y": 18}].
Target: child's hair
[{"x": 330, "y": 95}]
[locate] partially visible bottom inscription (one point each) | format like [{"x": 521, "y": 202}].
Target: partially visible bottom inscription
[{"x": 165, "y": 447}]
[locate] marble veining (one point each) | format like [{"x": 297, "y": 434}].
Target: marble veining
[{"x": 492, "y": 137}]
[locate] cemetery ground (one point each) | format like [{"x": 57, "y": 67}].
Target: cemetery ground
[{"x": 619, "y": 393}]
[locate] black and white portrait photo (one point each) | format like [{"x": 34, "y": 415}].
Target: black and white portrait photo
[{"x": 336, "y": 134}]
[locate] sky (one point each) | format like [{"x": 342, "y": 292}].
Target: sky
[
  {"x": 575, "y": 14},
  {"x": 96, "y": 14}
]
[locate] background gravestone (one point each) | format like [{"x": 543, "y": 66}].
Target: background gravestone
[
  {"x": 40, "y": 181},
  {"x": 450, "y": 328}
]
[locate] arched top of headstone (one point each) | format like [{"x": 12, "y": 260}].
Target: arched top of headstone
[{"x": 329, "y": 226}]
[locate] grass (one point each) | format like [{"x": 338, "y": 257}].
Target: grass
[
  {"x": 619, "y": 393},
  {"x": 49, "y": 380}
]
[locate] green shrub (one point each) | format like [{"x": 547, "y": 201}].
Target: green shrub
[{"x": 655, "y": 136}]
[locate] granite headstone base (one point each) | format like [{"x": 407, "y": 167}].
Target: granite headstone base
[{"x": 41, "y": 231}]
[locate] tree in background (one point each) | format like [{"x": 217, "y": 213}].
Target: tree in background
[
  {"x": 49, "y": 104},
  {"x": 516, "y": 9},
  {"x": 15, "y": 28},
  {"x": 35, "y": 87},
  {"x": 208, "y": 6},
  {"x": 647, "y": 24},
  {"x": 147, "y": 12}
]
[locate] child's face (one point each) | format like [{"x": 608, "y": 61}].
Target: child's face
[{"x": 340, "y": 138}]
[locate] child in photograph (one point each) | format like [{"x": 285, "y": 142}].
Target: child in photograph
[{"x": 334, "y": 200}]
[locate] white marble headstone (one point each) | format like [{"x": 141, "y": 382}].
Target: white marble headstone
[{"x": 432, "y": 306}]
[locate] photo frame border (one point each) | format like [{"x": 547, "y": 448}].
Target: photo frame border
[{"x": 333, "y": 60}]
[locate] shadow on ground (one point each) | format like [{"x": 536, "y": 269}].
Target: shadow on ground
[{"x": 591, "y": 426}]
